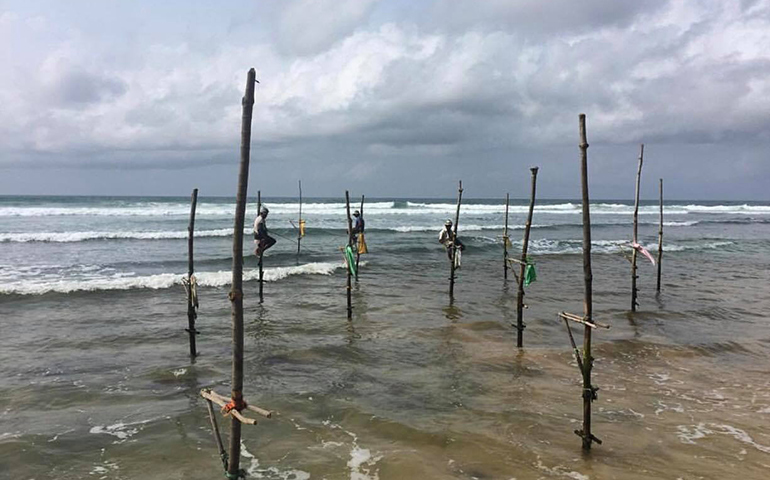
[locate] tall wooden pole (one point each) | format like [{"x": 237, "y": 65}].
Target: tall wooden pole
[
  {"x": 361, "y": 213},
  {"x": 634, "y": 275},
  {"x": 236, "y": 293},
  {"x": 454, "y": 242},
  {"x": 660, "y": 234},
  {"x": 350, "y": 243},
  {"x": 588, "y": 391},
  {"x": 261, "y": 253},
  {"x": 505, "y": 239},
  {"x": 523, "y": 264},
  {"x": 191, "y": 313},
  {"x": 299, "y": 222}
]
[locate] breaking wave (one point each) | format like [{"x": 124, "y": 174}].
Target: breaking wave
[
  {"x": 166, "y": 209},
  {"x": 123, "y": 281}
]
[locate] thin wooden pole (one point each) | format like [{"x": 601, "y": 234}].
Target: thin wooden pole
[
  {"x": 454, "y": 242},
  {"x": 505, "y": 239},
  {"x": 660, "y": 234},
  {"x": 236, "y": 293},
  {"x": 358, "y": 255},
  {"x": 217, "y": 436},
  {"x": 350, "y": 243},
  {"x": 299, "y": 222},
  {"x": 261, "y": 253},
  {"x": 588, "y": 391},
  {"x": 191, "y": 313},
  {"x": 634, "y": 275},
  {"x": 523, "y": 263}
]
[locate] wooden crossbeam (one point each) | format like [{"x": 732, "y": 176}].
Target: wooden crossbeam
[
  {"x": 582, "y": 320},
  {"x": 222, "y": 401}
]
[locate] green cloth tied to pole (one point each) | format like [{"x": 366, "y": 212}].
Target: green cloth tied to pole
[
  {"x": 530, "y": 275},
  {"x": 350, "y": 258}
]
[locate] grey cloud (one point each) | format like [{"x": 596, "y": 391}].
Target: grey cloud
[
  {"x": 538, "y": 18},
  {"x": 310, "y": 26},
  {"x": 78, "y": 88}
]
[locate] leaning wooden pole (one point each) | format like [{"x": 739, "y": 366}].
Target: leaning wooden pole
[
  {"x": 349, "y": 244},
  {"x": 192, "y": 301},
  {"x": 358, "y": 255},
  {"x": 634, "y": 275},
  {"x": 660, "y": 234},
  {"x": 588, "y": 361},
  {"x": 236, "y": 292},
  {"x": 523, "y": 263},
  {"x": 454, "y": 242},
  {"x": 261, "y": 253},
  {"x": 299, "y": 221},
  {"x": 505, "y": 239}
]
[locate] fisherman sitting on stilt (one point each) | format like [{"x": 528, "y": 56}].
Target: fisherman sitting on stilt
[
  {"x": 445, "y": 238},
  {"x": 261, "y": 238},
  {"x": 358, "y": 233}
]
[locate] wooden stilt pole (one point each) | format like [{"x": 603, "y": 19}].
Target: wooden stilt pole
[
  {"x": 505, "y": 239},
  {"x": 299, "y": 222},
  {"x": 236, "y": 293},
  {"x": 350, "y": 243},
  {"x": 660, "y": 234},
  {"x": 454, "y": 242},
  {"x": 634, "y": 276},
  {"x": 523, "y": 263},
  {"x": 192, "y": 301},
  {"x": 589, "y": 394},
  {"x": 358, "y": 255},
  {"x": 261, "y": 254}
]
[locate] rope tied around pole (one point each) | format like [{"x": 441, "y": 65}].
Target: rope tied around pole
[
  {"x": 238, "y": 404},
  {"x": 234, "y": 295}
]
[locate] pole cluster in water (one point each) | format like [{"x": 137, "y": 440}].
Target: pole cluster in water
[{"x": 236, "y": 404}]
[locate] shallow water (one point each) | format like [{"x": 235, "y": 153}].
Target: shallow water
[{"x": 97, "y": 383}]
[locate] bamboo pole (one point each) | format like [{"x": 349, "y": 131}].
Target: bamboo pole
[
  {"x": 523, "y": 263},
  {"x": 350, "y": 243},
  {"x": 634, "y": 254},
  {"x": 588, "y": 391},
  {"x": 191, "y": 302},
  {"x": 454, "y": 242},
  {"x": 261, "y": 253},
  {"x": 236, "y": 293},
  {"x": 660, "y": 234},
  {"x": 358, "y": 255},
  {"x": 299, "y": 222},
  {"x": 505, "y": 239}
]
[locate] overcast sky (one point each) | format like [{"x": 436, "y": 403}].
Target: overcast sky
[{"x": 392, "y": 97}]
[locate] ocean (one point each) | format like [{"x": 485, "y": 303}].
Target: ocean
[{"x": 97, "y": 382}]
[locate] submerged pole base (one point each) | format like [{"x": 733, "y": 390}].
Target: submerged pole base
[{"x": 591, "y": 438}]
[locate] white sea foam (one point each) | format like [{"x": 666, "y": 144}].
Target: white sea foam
[
  {"x": 161, "y": 209},
  {"x": 361, "y": 464},
  {"x": 560, "y": 471},
  {"x": 123, "y": 431},
  {"x": 690, "y": 433},
  {"x": 254, "y": 470},
  {"x": 547, "y": 246},
  {"x": 168, "y": 209},
  {"x": 680, "y": 224},
  {"x": 66, "y": 237},
  {"x": 33, "y": 286}
]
